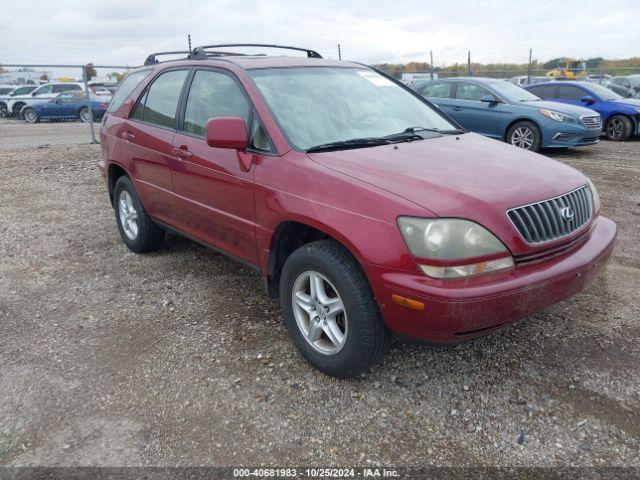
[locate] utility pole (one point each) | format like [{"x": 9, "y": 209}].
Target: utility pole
[
  {"x": 431, "y": 64},
  {"x": 469, "y": 63},
  {"x": 339, "y": 52},
  {"x": 529, "y": 71},
  {"x": 189, "y": 40}
]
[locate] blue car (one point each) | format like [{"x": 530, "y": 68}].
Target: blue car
[
  {"x": 620, "y": 115},
  {"x": 66, "y": 106},
  {"x": 506, "y": 112}
]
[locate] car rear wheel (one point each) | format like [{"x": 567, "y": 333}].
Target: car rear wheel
[
  {"x": 329, "y": 310},
  {"x": 138, "y": 231},
  {"x": 4, "y": 112},
  {"x": 525, "y": 135},
  {"x": 618, "y": 128},
  {"x": 16, "y": 109},
  {"x": 30, "y": 115},
  {"x": 84, "y": 115}
]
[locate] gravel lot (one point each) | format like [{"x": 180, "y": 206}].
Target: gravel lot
[
  {"x": 179, "y": 358},
  {"x": 16, "y": 133}
]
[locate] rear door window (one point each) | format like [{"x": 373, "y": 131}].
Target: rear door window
[
  {"x": 66, "y": 88},
  {"x": 160, "y": 103},
  {"x": 44, "y": 90},
  {"x": 569, "y": 92},
  {"x": 437, "y": 90},
  {"x": 471, "y": 91},
  {"x": 544, "y": 91}
]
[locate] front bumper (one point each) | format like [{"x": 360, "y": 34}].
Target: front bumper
[{"x": 456, "y": 310}]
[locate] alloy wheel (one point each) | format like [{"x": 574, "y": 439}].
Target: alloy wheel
[
  {"x": 30, "y": 116},
  {"x": 319, "y": 312},
  {"x": 84, "y": 115},
  {"x": 615, "y": 129},
  {"x": 523, "y": 137},
  {"x": 128, "y": 215}
]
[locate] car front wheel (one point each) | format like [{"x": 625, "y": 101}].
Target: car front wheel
[
  {"x": 138, "y": 231},
  {"x": 618, "y": 128},
  {"x": 30, "y": 115},
  {"x": 329, "y": 310},
  {"x": 85, "y": 115},
  {"x": 525, "y": 135}
]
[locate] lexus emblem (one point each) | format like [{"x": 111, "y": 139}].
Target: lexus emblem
[{"x": 567, "y": 213}]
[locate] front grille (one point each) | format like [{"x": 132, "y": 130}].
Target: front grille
[
  {"x": 554, "y": 218},
  {"x": 592, "y": 121}
]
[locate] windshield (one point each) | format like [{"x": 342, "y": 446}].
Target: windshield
[
  {"x": 512, "y": 92},
  {"x": 320, "y": 105},
  {"x": 603, "y": 92}
]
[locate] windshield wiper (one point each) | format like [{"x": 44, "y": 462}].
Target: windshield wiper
[
  {"x": 352, "y": 143},
  {"x": 435, "y": 130}
]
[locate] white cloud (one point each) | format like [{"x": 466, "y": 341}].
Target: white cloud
[{"x": 125, "y": 31}]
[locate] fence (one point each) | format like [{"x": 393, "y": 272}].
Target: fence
[
  {"x": 42, "y": 105},
  {"x": 60, "y": 104}
]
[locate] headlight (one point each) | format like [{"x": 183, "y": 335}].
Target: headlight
[
  {"x": 596, "y": 197},
  {"x": 557, "y": 116},
  {"x": 442, "y": 245}
]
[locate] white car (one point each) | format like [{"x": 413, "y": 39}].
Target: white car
[
  {"x": 9, "y": 91},
  {"x": 43, "y": 93}
]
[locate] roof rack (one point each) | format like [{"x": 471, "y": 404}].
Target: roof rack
[
  {"x": 200, "y": 52},
  {"x": 151, "y": 59}
]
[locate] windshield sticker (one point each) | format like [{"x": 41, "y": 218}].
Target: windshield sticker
[{"x": 376, "y": 79}]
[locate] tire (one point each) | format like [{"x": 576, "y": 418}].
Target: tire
[
  {"x": 618, "y": 128},
  {"x": 525, "y": 135},
  {"x": 30, "y": 115},
  {"x": 364, "y": 335},
  {"x": 4, "y": 111},
  {"x": 84, "y": 115},
  {"x": 139, "y": 233},
  {"x": 17, "y": 108}
]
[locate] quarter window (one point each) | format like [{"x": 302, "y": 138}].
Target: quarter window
[
  {"x": 213, "y": 94},
  {"x": 471, "y": 91},
  {"x": 127, "y": 86},
  {"x": 437, "y": 90},
  {"x": 160, "y": 102}
]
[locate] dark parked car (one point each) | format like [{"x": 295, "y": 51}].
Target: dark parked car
[
  {"x": 66, "y": 106},
  {"x": 621, "y": 116},
  {"x": 504, "y": 111},
  {"x": 365, "y": 208}
]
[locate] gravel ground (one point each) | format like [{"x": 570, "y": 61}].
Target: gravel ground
[
  {"x": 16, "y": 133},
  {"x": 179, "y": 358}
]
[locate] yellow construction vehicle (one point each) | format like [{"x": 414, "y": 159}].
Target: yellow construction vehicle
[{"x": 569, "y": 69}]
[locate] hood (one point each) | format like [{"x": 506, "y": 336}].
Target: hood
[
  {"x": 632, "y": 102},
  {"x": 574, "y": 110},
  {"x": 465, "y": 176}
]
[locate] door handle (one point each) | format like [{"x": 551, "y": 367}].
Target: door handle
[
  {"x": 182, "y": 152},
  {"x": 457, "y": 109},
  {"x": 128, "y": 136}
]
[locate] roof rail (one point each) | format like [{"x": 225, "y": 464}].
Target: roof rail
[
  {"x": 151, "y": 59},
  {"x": 200, "y": 52}
]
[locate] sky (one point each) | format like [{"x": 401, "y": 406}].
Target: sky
[{"x": 124, "y": 32}]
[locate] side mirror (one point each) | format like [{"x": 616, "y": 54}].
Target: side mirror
[
  {"x": 227, "y": 132},
  {"x": 489, "y": 99},
  {"x": 588, "y": 99}
]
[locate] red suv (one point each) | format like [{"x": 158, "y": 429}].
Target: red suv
[{"x": 366, "y": 209}]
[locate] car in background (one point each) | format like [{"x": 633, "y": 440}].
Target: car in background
[
  {"x": 631, "y": 83},
  {"x": 504, "y": 111},
  {"x": 523, "y": 80},
  {"x": 13, "y": 91},
  {"x": 42, "y": 94},
  {"x": 66, "y": 106},
  {"x": 99, "y": 89},
  {"x": 607, "y": 81},
  {"x": 620, "y": 116}
]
